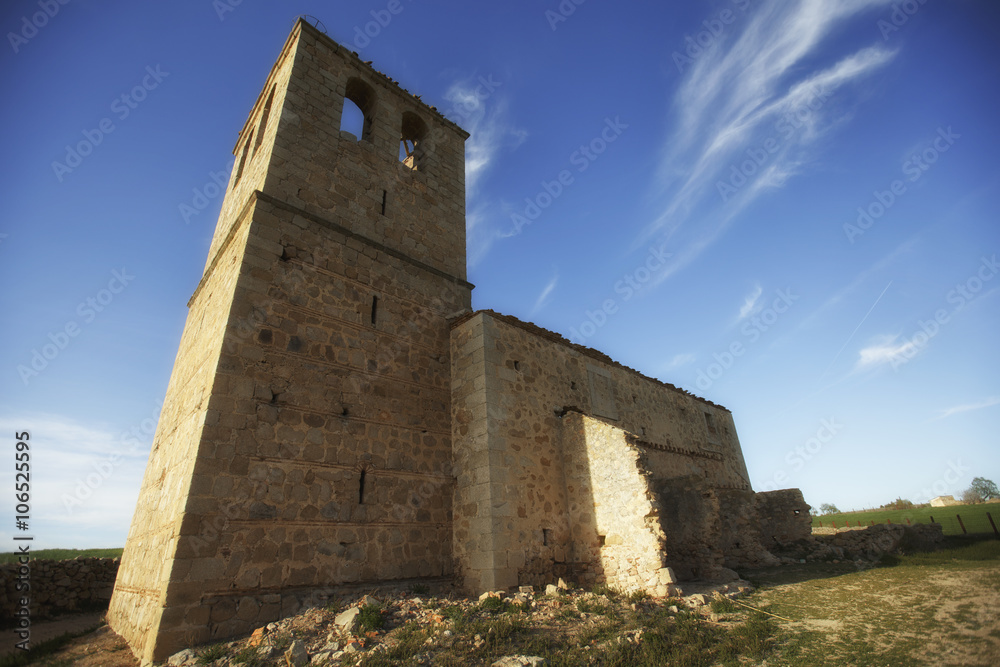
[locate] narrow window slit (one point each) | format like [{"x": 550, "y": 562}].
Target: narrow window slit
[
  {"x": 385, "y": 196},
  {"x": 263, "y": 120},
  {"x": 243, "y": 160},
  {"x": 361, "y": 488},
  {"x": 546, "y": 536},
  {"x": 374, "y": 309}
]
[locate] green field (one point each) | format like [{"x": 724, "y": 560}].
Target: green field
[
  {"x": 64, "y": 554},
  {"x": 973, "y": 516}
]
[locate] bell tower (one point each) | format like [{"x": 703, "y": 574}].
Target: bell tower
[{"x": 305, "y": 439}]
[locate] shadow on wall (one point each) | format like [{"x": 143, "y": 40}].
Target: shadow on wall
[{"x": 689, "y": 514}]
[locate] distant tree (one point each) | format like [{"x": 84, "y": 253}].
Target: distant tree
[
  {"x": 971, "y": 497},
  {"x": 829, "y": 508},
  {"x": 986, "y": 489},
  {"x": 898, "y": 504},
  {"x": 813, "y": 511}
]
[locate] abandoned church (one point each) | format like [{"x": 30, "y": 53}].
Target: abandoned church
[{"x": 338, "y": 415}]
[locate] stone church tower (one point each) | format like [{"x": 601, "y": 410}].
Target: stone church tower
[{"x": 305, "y": 439}]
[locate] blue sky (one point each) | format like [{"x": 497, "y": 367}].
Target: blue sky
[{"x": 789, "y": 208}]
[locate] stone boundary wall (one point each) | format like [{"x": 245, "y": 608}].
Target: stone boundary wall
[
  {"x": 58, "y": 586},
  {"x": 830, "y": 530}
]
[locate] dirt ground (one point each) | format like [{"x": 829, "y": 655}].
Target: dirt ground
[
  {"x": 941, "y": 615},
  {"x": 99, "y": 648}
]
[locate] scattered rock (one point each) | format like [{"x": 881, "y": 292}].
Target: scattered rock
[
  {"x": 325, "y": 654},
  {"x": 348, "y": 620},
  {"x": 527, "y": 590},
  {"x": 520, "y": 661},
  {"x": 185, "y": 657},
  {"x": 666, "y": 575},
  {"x": 256, "y": 638},
  {"x": 297, "y": 655},
  {"x": 724, "y": 574},
  {"x": 562, "y": 585},
  {"x": 268, "y": 652},
  {"x": 551, "y": 589}
]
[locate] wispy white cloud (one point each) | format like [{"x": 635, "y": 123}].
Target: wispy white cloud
[
  {"x": 885, "y": 350},
  {"x": 479, "y": 237},
  {"x": 749, "y": 306},
  {"x": 543, "y": 298},
  {"x": 681, "y": 360},
  {"x": 755, "y": 86},
  {"x": 481, "y": 110},
  {"x": 986, "y": 403}
]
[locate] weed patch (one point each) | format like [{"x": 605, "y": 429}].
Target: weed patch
[
  {"x": 212, "y": 653},
  {"x": 370, "y": 617}
]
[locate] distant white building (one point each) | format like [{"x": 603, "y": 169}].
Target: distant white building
[{"x": 944, "y": 501}]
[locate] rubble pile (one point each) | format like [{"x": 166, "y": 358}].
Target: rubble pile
[{"x": 375, "y": 625}]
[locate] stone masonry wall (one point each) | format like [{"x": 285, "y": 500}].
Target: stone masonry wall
[
  {"x": 58, "y": 586},
  {"x": 312, "y": 446},
  {"x": 317, "y": 168},
  {"x": 783, "y": 516},
  {"x": 512, "y": 515},
  {"x": 617, "y": 538},
  {"x": 475, "y": 464},
  {"x": 740, "y": 536}
]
